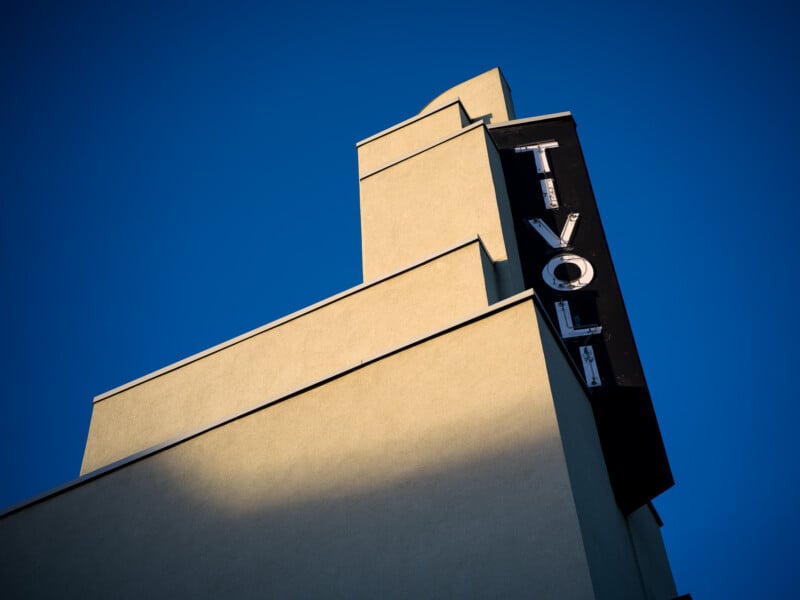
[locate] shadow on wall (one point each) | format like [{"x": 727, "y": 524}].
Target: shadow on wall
[
  {"x": 435, "y": 471},
  {"x": 472, "y": 530}
]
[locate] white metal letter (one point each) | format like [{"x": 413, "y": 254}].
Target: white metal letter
[
  {"x": 549, "y": 235},
  {"x": 584, "y": 278},
  {"x": 589, "y": 366},
  {"x": 565, "y": 323},
  {"x": 539, "y": 154},
  {"x": 549, "y": 194},
  {"x": 543, "y": 166}
]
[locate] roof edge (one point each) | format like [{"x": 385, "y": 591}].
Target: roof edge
[
  {"x": 410, "y": 121},
  {"x": 285, "y": 319},
  {"x": 405, "y": 157},
  {"x": 141, "y": 455},
  {"x": 558, "y": 115}
]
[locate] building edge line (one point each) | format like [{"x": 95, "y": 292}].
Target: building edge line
[
  {"x": 287, "y": 318},
  {"x": 405, "y": 157},
  {"x": 558, "y": 115},
  {"x": 410, "y": 121},
  {"x": 142, "y": 454}
]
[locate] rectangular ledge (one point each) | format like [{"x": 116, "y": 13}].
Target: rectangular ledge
[
  {"x": 495, "y": 308},
  {"x": 466, "y": 129},
  {"x": 558, "y": 115},
  {"x": 407, "y": 122},
  {"x": 287, "y": 318}
]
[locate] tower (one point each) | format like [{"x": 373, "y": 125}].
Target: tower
[{"x": 471, "y": 420}]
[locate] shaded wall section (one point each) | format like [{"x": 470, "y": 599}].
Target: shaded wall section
[{"x": 434, "y": 471}]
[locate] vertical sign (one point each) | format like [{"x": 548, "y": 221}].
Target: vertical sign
[{"x": 565, "y": 259}]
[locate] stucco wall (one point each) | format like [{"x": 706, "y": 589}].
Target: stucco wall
[
  {"x": 410, "y": 136},
  {"x": 486, "y": 96},
  {"x": 294, "y": 352},
  {"x": 435, "y": 471},
  {"x": 611, "y": 556},
  {"x": 645, "y": 532},
  {"x": 626, "y": 555},
  {"x": 435, "y": 198}
]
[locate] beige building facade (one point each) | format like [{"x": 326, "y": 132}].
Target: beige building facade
[{"x": 422, "y": 435}]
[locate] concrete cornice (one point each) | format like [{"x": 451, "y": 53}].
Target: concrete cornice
[
  {"x": 405, "y": 157},
  {"x": 524, "y": 296},
  {"x": 557, "y": 115},
  {"x": 289, "y": 317},
  {"x": 410, "y": 121}
]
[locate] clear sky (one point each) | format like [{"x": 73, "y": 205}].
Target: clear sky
[{"x": 173, "y": 174}]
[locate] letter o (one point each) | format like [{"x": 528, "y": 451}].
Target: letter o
[{"x": 584, "y": 279}]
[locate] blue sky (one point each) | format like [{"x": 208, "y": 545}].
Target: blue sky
[{"x": 174, "y": 174}]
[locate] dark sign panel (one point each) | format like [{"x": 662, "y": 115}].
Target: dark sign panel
[{"x": 565, "y": 259}]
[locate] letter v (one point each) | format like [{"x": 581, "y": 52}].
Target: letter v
[{"x": 549, "y": 235}]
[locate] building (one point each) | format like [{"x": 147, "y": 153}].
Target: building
[{"x": 470, "y": 421}]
